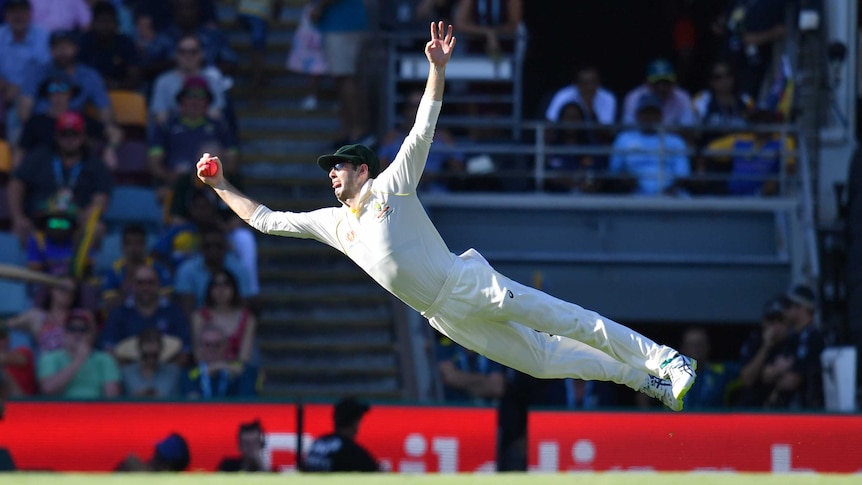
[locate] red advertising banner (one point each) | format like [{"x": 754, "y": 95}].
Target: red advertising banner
[
  {"x": 566, "y": 441},
  {"x": 98, "y": 436},
  {"x": 417, "y": 439}
]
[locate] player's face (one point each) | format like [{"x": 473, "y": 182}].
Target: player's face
[{"x": 346, "y": 180}]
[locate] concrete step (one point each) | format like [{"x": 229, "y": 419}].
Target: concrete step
[
  {"x": 325, "y": 323},
  {"x": 333, "y": 349},
  {"x": 320, "y": 276},
  {"x": 322, "y": 298},
  {"x": 300, "y": 127}
]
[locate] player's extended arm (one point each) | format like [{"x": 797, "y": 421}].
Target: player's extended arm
[
  {"x": 241, "y": 204},
  {"x": 438, "y": 50}
]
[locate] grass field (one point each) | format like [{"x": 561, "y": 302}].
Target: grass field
[{"x": 626, "y": 478}]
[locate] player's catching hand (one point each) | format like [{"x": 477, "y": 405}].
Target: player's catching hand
[
  {"x": 210, "y": 170},
  {"x": 438, "y": 50}
]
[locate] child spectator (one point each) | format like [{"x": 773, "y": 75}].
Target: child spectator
[
  {"x": 215, "y": 375},
  {"x": 150, "y": 374}
]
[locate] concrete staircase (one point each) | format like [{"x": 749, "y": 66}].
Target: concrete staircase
[{"x": 326, "y": 329}]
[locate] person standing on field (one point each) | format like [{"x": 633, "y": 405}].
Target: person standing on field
[{"x": 382, "y": 226}]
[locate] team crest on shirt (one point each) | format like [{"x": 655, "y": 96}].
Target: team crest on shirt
[
  {"x": 382, "y": 210},
  {"x": 351, "y": 236}
]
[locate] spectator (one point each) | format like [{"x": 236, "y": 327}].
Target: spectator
[
  {"x": 193, "y": 275},
  {"x": 798, "y": 378},
  {"x": 760, "y": 350},
  {"x": 442, "y": 166},
  {"x": 675, "y": 102},
  {"x": 254, "y": 15},
  {"x": 306, "y": 56},
  {"x": 146, "y": 308},
  {"x": 78, "y": 371},
  {"x": 224, "y": 309},
  {"x": 581, "y": 172},
  {"x": 189, "y": 64},
  {"x": 23, "y": 52},
  {"x": 344, "y": 24},
  {"x": 110, "y": 52},
  {"x": 655, "y": 159},
  {"x": 484, "y": 21},
  {"x": 150, "y": 374},
  {"x": 722, "y": 105},
  {"x": 215, "y": 376},
  {"x": 597, "y": 102},
  {"x": 40, "y": 129},
  {"x": 193, "y": 204},
  {"x": 169, "y": 455},
  {"x": 176, "y": 145},
  {"x": 63, "y": 176},
  {"x": 68, "y": 15},
  {"x": 715, "y": 380},
  {"x": 64, "y": 59},
  {"x": 468, "y": 377},
  {"x": 187, "y": 20},
  {"x": 751, "y": 28},
  {"x": 339, "y": 451},
  {"x": 16, "y": 361},
  {"x": 51, "y": 248},
  {"x": 756, "y": 158},
  {"x": 251, "y": 440},
  {"x": 118, "y": 281},
  {"x": 46, "y": 322}
]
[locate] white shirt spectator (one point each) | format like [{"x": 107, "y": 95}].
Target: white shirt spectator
[
  {"x": 604, "y": 104},
  {"x": 677, "y": 108}
]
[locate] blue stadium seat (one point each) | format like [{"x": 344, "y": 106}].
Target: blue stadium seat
[
  {"x": 13, "y": 294},
  {"x": 134, "y": 204}
]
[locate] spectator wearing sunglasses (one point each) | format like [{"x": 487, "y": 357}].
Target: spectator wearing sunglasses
[
  {"x": 62, "y": 176},
  {"x": 39, "y": 131},
  {"x": 78, "y": 371}
]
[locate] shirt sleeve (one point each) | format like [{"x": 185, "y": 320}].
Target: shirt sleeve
[
  {"x": 184, "y": 281},
  {"x": 111, "y": 332},
  {"x": 319, "y": 225},
  {"x": 97, "y": 89},
  {"x": 617, "y": 162},
  {"x": 49, "y": 364},
  {"x": 403, "y": 174}
]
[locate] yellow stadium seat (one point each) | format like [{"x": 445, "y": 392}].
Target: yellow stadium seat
[
  {"x": 130, "y": 107},
  {"x": 5, "y": 157}
]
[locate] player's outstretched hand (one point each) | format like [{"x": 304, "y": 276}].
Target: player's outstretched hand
[
  {"x": 438, "y": 50},
  {"x": 210, "y": 170}
]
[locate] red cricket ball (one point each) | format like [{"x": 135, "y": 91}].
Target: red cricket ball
[{"x": 210, "y": 169}]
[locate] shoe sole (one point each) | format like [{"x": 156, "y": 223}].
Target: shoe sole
[{"x": 685, "y": 389}]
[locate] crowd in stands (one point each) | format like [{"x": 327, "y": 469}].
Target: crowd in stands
[
  {"x": 107, "y": 106},
  {"x": 659, "y": 137},
  {"x": 173, "y": 315}
]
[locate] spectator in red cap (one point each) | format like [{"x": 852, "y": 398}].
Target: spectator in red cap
[
  {"x": 62, "y": 176},
  {"x": 38, "y": 132}
]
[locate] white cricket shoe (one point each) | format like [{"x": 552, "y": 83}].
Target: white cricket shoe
[
  {"x": 681, "y": 372},
  {"x": 661, "y": 389}
]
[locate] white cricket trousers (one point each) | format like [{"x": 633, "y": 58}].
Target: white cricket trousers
[{"x": 535, "y": 333}]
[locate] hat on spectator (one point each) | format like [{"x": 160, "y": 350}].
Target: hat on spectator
[
  {"x": 774, "y": 308},
  {"x": 349, "y": 411},
  {"x": 17, "y": 3},
  {"x": 195, "y": 84},
  {"x": 802, "y": 295},
  {"x": 174, "y": 452},
  {"x": 70, "y": 121},
  {"x": 357, "y": 154},
  {"x": 660, "y": 70},
  {"x": 63, "y": 35},
  {"x": 649, "y": 101}
]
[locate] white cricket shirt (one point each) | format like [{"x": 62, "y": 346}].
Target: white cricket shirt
[{"x": 391, "y": 236}]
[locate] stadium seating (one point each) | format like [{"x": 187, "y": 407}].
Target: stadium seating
[
  {"x": 133, "y": 204},
  {"x": 132, "y": 168},
  {"x": 130, "y": 112}
]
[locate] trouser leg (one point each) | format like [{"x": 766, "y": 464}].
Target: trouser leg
[
  {"x": 538, "y": 310},
  {"x": 539, "y": 354}
]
